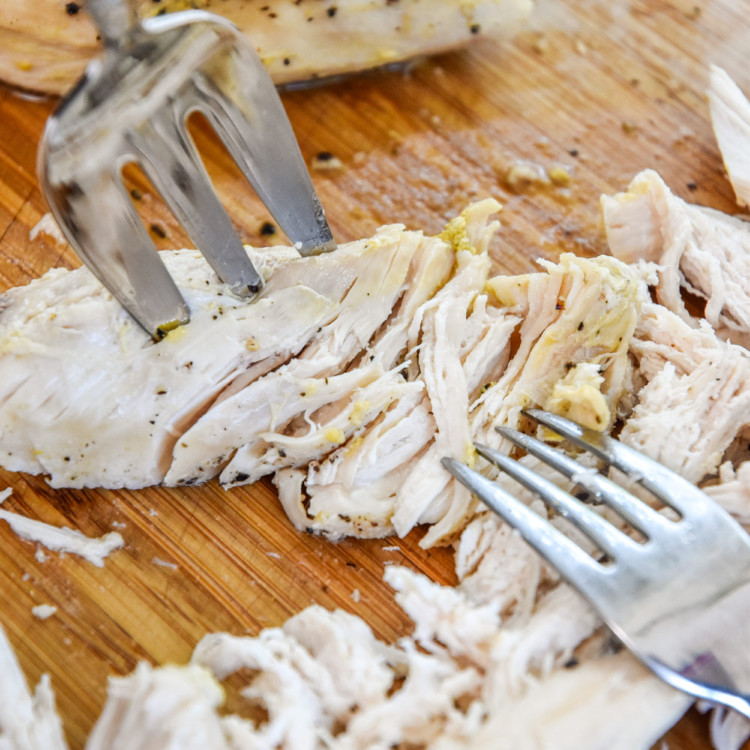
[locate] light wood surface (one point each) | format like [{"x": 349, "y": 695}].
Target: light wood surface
[{"x": 603, "y": 88}]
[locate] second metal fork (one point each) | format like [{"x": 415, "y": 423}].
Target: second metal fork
[{"x": 680, "y": 601}]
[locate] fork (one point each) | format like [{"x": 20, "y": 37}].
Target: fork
[
  {"x": 680, "y": 601},
  {"x": 132, "y": 106}
]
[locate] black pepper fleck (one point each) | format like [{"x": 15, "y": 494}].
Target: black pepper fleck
[
  {"x": 267, "y": 229},
  {"x": 72, "y": 8},
  {"x": 475, "y": 28},
  {"x": 331, "y": 11},
  {"x": 158, "y": 230}
]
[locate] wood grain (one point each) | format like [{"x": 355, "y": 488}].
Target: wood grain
[{"x": 604, "y": 89}]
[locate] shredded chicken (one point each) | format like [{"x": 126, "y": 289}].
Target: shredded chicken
[
  {"x": 698, "y": 250},
  {"x": 732, "y": 491},
  {"x": 696, "y": 396},
  {"x": 27, "y": 722},
  {"x": 324, "y": 681},
  {"x": 63, "y": 539},
  {"x": 171, "y": 708}
]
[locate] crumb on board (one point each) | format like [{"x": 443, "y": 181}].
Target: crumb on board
[
  {"x": 325, "y": 161},
  {"x": 43, "y": 611}
]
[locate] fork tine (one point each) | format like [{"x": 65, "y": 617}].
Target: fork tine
[
  {"x": 637, "y": 513},
  {"x": 135, "y": 274},
  {"x": 174, "y": 166},
  {"x": 256, "y": 131},
  {"x": 672, "y": 489},
  {"x": 608, "y": 539},
  {"x": 572, "y": 562}
]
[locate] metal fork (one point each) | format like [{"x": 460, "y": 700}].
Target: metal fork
[
  {"x": 680, "y": 601},
  {"x": 131, "y": 106}
]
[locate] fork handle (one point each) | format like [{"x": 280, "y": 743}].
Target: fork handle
[{"x": 114, "y": 18}]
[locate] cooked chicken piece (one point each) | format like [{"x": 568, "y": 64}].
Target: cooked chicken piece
[
  {"x": 328, "y": 306},
  {"x": 45, "y": 45},
  {"x": 700, "y": 251},
  {"x": 696, "y": 397},
  {"x": 572, "y": 357},
  {"x": 732, "y": 491},
  {"x": 170, "y": 707},
  {"x": 350, "y": 377},
  {"x": 325, "y": 681},
  {"x": 730, "y": 116},
  {"x": 63, "y": 539},
  {"x": 27, "y": 722},
  {"x": 389, "y": 476},
  {"x": 578, "y": 319},
  {"x": 338, "y": 349},
  {"x": 370, "y": 283}
]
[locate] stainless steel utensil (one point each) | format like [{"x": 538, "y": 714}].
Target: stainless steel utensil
[
  {"x": 681, "y": 600},
  {"x": 131, "y": 106}
]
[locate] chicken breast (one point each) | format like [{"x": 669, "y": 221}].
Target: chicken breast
[
  {"x": 45, "y": 45},
  {"x": 349, "y": 378}
]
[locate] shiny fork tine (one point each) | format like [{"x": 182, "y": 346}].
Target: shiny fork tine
[
  {"x": 638, "y": 514},
  {"x": 247, "y": 114},
  {"x": 119, "y": 251},
  {"x": 608, "y": 539},
  {"x": 131, "y": 105},
  {"x": 171, "y": 161},
  {"x": 566, "y": 556},
  {"x": 665, "y": 484}
]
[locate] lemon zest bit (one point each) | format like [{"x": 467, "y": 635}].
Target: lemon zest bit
[{"x": 334, "y": 435}]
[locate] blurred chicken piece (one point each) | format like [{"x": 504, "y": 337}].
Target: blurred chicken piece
[
  {"x": 730, "y": 116},
  {"x": 45, "y": 44}
]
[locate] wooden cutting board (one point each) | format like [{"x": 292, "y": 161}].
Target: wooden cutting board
[{"x": 601, "y": 88}]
